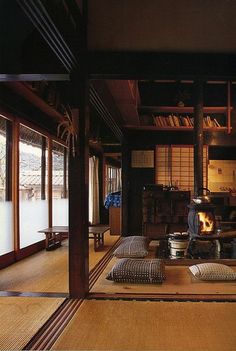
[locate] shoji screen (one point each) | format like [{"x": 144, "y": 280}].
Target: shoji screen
[{"x": 175, "y": 166}]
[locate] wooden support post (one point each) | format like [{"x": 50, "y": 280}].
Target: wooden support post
[
  {"x": 78, "y": 194},
  {"x": 198, "y": 137},
  {"x": 50, "y": 186},
  {"x": 125, "y": 188},
  {"x": 43, "y": 169}
]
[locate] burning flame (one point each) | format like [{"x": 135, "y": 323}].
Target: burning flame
[{"x": 206, "y": 222}]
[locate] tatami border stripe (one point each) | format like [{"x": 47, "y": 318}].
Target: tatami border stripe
[
  {"x": 48, "y": 334},
  {"x": 98, "y": 269}
]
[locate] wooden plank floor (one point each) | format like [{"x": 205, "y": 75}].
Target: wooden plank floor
[{"x": 145, "y": 325}]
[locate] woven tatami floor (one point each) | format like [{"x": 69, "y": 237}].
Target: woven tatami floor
[
  {"x": 22, "y": 317},
  {"x": 145, "y": 325}
]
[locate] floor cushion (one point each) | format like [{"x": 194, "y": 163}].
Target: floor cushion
[
  {"x": 212, "y": 271},
  {"x": 132, "y": 246},
  {"x": 130, "y": 270}
]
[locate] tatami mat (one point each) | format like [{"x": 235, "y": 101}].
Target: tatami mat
[
  {"x": 179, "y": 280},
  {"x": 143, "y": 325},
  {"x": 22, "y": 317},
  {"x": 47, "y": 271}
]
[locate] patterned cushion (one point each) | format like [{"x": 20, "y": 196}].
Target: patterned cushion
[
  {"x": 212, "y": 271},
  {"x": 129, "y": 270},
  {"x": 134, "y": 246}
]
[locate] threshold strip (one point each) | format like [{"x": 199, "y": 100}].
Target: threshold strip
[
  {"x": 163, "y": 297},
  {"x": 51, "y": 330},
  {"x": 98, "y": 269},
  {"x": 32, "y": 294}
]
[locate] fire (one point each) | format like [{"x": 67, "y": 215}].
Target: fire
[{"x": 206, "y": 220}]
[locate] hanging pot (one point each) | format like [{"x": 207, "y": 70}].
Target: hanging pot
[{"x": 202, "y": 199}]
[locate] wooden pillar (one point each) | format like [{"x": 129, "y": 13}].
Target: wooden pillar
[
  {"x": 9, "y": 148},
  {"x": 43, "y": 169},
  {"x": 125, "y": 171},
  {"x": 78, "y": 193},
  {"x": 198, "y": 137},
  {"x": 50, "y": 186}
]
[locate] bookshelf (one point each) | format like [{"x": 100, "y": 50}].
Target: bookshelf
[{"x": 181, "y": 117}]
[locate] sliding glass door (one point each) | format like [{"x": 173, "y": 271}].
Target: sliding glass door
[
  {"x": 33, "y": 204},
  {"x": 6, "y": 208}
]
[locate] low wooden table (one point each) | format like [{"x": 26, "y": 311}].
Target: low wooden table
[{"x": 55, "y": 235}]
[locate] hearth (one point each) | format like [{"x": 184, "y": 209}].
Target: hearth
[
  {"x": 201, "y": 219},
  {"x": 201, "y": 226}
]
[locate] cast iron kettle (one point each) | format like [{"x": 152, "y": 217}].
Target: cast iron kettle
[{"x": 202, "y": 199}]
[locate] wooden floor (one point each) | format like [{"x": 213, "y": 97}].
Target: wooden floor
[{"x": 145, "y": 325}]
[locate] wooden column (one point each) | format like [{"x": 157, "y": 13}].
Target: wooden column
[
  {"x": 198, "y": 137},
  {"x": 43, "y": 169},
  {"x": 125, "y": 171},
  {"x": 78, "y": 194}
]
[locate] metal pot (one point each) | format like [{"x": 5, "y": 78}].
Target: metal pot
[{"x": 202, "y": 199}]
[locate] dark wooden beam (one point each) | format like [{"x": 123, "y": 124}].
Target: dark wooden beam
[
  {"x": 9, "y": 150},
  {"x": 125, "y": 173},
  {"x": 160, "y": 65},
  {"x": 198, "y": 137},
  {"x": 43, "y": 169},
  {"x": 78, "y": 197},
  {"x": 40, "y": 18},
  {"x": 104, "y": 113},
  {"x": 34, "y": 77}
]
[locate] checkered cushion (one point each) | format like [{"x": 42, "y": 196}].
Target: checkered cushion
[
  {"x": 133, "y": 246},
  {"x": 129, "y": 270},
  {"x": 212, "y": 271}
]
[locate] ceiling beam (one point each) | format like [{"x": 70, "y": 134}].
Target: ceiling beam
[
  {"x": 40, "y": 18},
  {"x": 34, "y": 77}
]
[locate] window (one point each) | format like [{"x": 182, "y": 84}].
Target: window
[
  {"x": 175, "y": 166},
  {"x": 59, "y": 184},
  {"x": 32, "y": 180},
  {"x": 6, "y": 209},
  {"x": 113, "y": 179}
]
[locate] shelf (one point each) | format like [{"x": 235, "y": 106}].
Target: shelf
[
  {"x": 174, "y": 129},
  {"x": 184, "y": 109},
  {"x": 26, "y": 92}
]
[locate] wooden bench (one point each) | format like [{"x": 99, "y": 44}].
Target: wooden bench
[{"x": 55, "y": 235}]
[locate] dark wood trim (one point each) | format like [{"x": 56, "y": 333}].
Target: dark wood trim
[
  {"x": 55, "y": 325},
  {"x": 33, "y": 294},
  {"x": 104, "y": 113},
  {"x": 65, "y": 166},
  {"x": 34, "y": 77},
  {"x": 198, "y": 137},
  {"x": 50, "y": 165},
  {"x": 229, "y": 107},
  {"x": 25, "y": 91},
  {"x": 160, "y": 65},
  {"x": 125, "y": 173},
  {"x": 43, "y": 169},
  {"x": 9, "y": 152},
  {"x": 78, "y": 195},
  {"x": 29, "y": 250},
  {"x": 7, "y": 259},
  {"x": 15, "y": 179},
  {"x": 164, "y": 297},
  {"x": 40, "y": 18}
]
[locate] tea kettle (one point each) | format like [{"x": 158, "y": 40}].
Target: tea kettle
[{"x": 202, "y": 199}]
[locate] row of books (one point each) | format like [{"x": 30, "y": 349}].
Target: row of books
[{"x": 173, "y": 120}]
